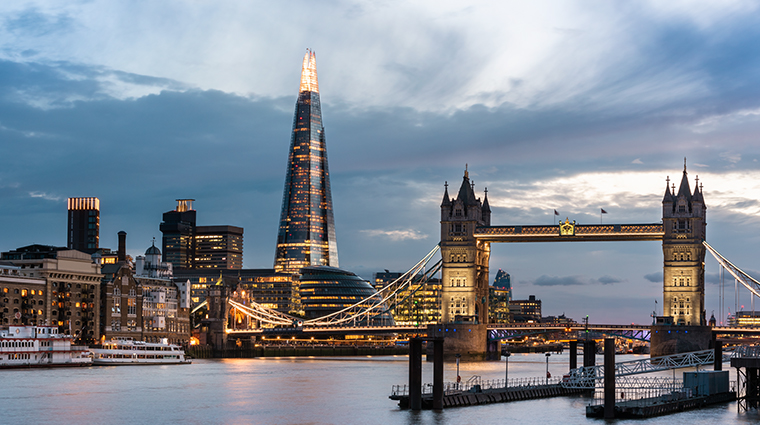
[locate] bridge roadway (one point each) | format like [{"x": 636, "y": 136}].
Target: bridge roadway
[{"x": 496, "y": 330}]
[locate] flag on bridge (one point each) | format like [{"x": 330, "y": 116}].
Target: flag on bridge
[
  {"x": 603, "y": 211},
  {"x": 555, "y": 212}
]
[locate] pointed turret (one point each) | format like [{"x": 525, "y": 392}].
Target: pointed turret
[
  {"x": 697, "y": 196},
  {"x": 466, "y": 194},
  {"x": 446, "y": 200},
  {"x": 668, "y": 194},
  {"x": 684, "y": 189},
  {"x": 486, "y": 210},
  {"x": 486, "y": 207}
]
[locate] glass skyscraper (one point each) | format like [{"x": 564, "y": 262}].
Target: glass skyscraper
[{"x": 307, "y": 229}]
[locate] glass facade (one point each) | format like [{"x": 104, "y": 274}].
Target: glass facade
[
  {"x": 325, "y": 290},
  {"x": 307, "y": 229}
]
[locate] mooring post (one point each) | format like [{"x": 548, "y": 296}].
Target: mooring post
[
  {"x": 438, "y": 374},
  {"x": 573, "y": 354},
  {"x": 589, "y": 353},
  {"x": 609, "y": 378},
  {"x": 415, "y": 373},
  {"x": 718, "y": 360}
]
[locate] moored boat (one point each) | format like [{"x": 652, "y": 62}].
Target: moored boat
[
  {"x": 130, "y": 352},
  {"x": 39, "y": 346}
]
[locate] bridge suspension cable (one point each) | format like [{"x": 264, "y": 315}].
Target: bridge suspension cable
[
  {"x": 748, "y": 281},
  {"x": 266, "y": 315},
  {"x": 376, "y": 304},
  {"x": 365, "y": 309}
]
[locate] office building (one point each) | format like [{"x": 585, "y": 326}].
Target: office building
[
  {"x": 418, "y": 303},
  {"x": 178, "y": 229},
  {"x": 526, "y": 310},
  {"x": 499, "y": 295},
  {"x": 218, "y": 247},
  {"x": 84, "y": 224},
  {"x": 306, "y": 235},
  {"x": 326, "y": 290},
  {"x": 189, "y": 246}
]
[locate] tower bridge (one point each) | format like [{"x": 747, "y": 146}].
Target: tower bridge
[{"x": 467, "y": 234}]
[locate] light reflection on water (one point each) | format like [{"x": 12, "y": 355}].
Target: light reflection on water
[{"x": 348, "y": 390}]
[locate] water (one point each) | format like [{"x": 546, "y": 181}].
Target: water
[{"x": 347, "y": 390}]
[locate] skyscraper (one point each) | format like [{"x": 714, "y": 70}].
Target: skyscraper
[
  {"x": 178, "y": 230},
  {"x": 84, "y": 224},
  {"x": 189, "y": 246},
  {"x": 307, "y": 229}
]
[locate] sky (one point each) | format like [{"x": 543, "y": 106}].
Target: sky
[{"x": 573, "y": 106}]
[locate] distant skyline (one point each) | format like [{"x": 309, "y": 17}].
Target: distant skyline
[{"x": 573, "y": 106}]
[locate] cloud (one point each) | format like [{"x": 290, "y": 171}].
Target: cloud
[
  {"x": 45, "y": 196},
  {"x": 607, "y": 280},
  {"x": 637, "y": 161},
  {"x": 731, "y": 157},
  {"x": 545, "y": 280},
  {"x": 654, "y": 277},
  {"x": 395, "y": 235}
]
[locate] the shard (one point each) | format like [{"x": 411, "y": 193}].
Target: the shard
[{"x": 307, "y": 229}]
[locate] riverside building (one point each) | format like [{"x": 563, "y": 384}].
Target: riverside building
[{"x": 70, "y": 298}]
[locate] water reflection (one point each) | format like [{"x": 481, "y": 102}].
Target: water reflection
[{"x": 288, "y": 391}]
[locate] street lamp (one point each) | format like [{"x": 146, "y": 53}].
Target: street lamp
[
  {"x": 459, "y": 379},
  {"x": 547, "y": 367},
  {"x": 506, "y": 376}
]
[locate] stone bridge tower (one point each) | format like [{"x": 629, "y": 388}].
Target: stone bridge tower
[
  {"x": 464, "y": 294},
  {"x": 683, "y": 219}
]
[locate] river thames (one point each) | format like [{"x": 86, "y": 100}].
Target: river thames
[{"x": 345, "y": 390}]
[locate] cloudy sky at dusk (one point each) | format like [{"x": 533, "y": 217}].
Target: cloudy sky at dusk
[{"x": 573, "y": 106}]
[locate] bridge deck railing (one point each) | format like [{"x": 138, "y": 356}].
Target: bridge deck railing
[{"x": 478, "y": 385}]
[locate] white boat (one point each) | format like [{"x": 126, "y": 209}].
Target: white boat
[
  {"x": 40, "y": 346},
  {"x": 129, "y": 352}
]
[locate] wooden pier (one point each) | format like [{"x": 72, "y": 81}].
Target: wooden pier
[{"x": 475, "y": 396}]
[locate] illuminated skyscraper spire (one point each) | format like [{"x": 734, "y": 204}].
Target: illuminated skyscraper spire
[
  {"x": 307, "y": 229},
  {"x": 309, "y": 73}
]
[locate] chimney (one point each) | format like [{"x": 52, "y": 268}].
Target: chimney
[{"x": 122, "y": 255}]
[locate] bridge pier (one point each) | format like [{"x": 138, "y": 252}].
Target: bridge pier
[
  {"x": 415, "y": 373},
  {"x": 573, "y": 354},
  {"x": 609, "y": 378},
  {"x": 468, "y": 340},
  {"x": 675, "y": 339}
]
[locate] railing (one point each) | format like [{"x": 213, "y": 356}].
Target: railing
[
  {"x": 587, "y": 377},
  {"x": 476, "y": 385},
  {"x": 746, "y": 351},
  {"x": 640, "y": 397}
]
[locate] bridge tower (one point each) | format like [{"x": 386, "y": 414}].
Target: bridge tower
[
  {"x": 464, "y": 294},
  {"x": 684, "y": 223}
]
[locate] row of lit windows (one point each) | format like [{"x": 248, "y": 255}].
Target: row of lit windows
[{"x": 23, "y": 292}]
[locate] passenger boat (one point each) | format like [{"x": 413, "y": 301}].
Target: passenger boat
[
  {"x": 130, "y": 352},
  {"x": 39, "y": 346}
]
